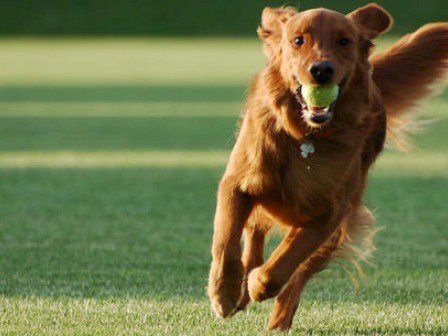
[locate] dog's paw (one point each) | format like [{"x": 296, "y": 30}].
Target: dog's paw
[
  {"x": 281, "y": 320},
  {"x": 280, "y": 326},
  {"x": 225, "y": 288},
  {"x": 222, "y": 306},
  {"x": 244, "y": 299},
  {"x": 260, "y": 287}
]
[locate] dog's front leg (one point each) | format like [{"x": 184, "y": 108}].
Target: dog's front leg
[
  {"x": 227, "y": 271},
  {"x": 268, "y": 280}
]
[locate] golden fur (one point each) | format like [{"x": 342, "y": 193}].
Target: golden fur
[{"x": 317, "y": 199}]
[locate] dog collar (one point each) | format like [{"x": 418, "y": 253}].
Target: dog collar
[
  {"x": 321, "y": 134},
  {"x": 307, "y": 147}
]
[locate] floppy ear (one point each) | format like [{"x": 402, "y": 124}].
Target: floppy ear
[
  {"x": 372, "y": 20},
  {"x": 272, "y": 21}
]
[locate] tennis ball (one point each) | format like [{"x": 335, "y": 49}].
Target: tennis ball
[{"x": 320, "y": 96}]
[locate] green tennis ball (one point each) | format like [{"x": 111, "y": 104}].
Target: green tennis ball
[{"x": 320, "y": 96}]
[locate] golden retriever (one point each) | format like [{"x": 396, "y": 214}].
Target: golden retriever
[{"x": 305, "y": 169}]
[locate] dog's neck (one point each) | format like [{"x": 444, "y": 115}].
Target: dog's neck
[{"x": 322, "y": 133}]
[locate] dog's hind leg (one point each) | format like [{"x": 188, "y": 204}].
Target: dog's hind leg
[
  {"x": 297, "y": 246},
  {"x": 287, "y": 301},
  {"x": 353, "y": 240}
]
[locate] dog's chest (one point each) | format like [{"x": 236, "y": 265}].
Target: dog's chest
[
  {"x": 303, "y": 190},
  {"x": 318, "y": 177},
  {"x": 304, "y": 178}
]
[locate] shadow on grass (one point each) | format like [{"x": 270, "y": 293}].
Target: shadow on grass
[
  {"x": 147, "y": 233},
  {"x": 118, "y": 133}
]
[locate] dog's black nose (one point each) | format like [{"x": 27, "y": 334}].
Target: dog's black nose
[{"x": 322, "y": 71}]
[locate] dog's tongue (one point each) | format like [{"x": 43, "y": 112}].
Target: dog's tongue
[{"x": 318, "y": 110}]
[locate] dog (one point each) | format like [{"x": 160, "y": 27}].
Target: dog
[{"x": 305, "y": 169}]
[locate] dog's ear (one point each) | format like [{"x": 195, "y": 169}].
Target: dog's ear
[
  {"x": 372, "y": 20},
  {"x": 272, "y": 21}
]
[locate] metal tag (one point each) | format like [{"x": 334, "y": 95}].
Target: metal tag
[{"x": 306, "y": 149}]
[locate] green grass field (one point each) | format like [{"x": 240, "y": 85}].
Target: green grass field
[{"x": 110, "y": 154}]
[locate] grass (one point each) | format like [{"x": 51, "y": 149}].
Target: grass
[
  {"x": 129, "y": 61},
  {"x": 107, "y": 194}
]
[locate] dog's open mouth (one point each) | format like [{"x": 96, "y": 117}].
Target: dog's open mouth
[{"x": 317, "y": 116}]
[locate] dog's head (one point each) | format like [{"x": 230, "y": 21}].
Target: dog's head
[{"x": 320, "y": 47}]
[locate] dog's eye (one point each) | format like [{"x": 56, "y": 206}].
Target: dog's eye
[
  {"x": 299, "y": 40},
  {"x": 344, "y": 42}
]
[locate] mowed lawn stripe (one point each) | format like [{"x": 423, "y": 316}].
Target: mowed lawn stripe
[
  {"x": 113, "y": 159},
  {"x": 119, "y": 109},
  {"x": 118, "y": 133},
  {"x": 132, "y": 93},
  {"x": 391, "y": 163},
  {"x": 129, "y": 61}
]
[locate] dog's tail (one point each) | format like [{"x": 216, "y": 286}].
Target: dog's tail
[{"x": 408, "y": 72}]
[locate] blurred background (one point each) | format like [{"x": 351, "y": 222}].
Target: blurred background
[
  {"x": 179, "y": 18},
  {"x": 116, "y": 121}
]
